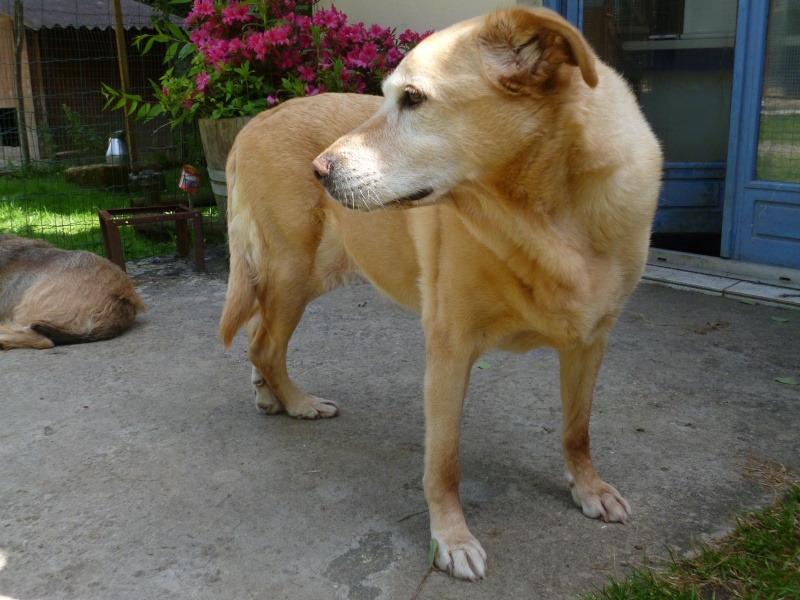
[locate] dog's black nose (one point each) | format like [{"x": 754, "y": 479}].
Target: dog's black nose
[{"x": 322, "y": 167}]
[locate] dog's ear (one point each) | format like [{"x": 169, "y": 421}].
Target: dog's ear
[{"x": 523, "y": 49}]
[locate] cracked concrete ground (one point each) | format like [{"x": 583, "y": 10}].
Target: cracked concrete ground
[{"x": 140, "y": 468}]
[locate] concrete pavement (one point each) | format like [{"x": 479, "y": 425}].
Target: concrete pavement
[{"x": 140, "y": 468}]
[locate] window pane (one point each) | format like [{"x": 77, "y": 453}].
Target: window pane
[
  {"x": 678, "y": 57},
  {"x": 779, "y": 129}
]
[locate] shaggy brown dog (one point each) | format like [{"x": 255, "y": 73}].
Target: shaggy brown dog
[
  {"x": 51, "y": 296},
  {"x": 530, "y": 179}
]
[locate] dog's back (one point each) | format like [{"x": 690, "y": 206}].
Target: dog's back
[{"x": 52, "y": 296}]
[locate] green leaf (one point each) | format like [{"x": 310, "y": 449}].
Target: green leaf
[
  {"x": 148, "y": 45},
  {"x": 434, "y": 546},
  {"x": 120, "y": 104},
  {"x": 483, "y": 364},
  {"x": 780, "y": 319},
  {"x": 173, "y": 48},
  {"x": 185, "y": 51},
  {"x": 176, "y": 31},
  {"x": 787, "y": 380}
]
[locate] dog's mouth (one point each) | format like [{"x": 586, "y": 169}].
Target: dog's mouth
[
  {"x": 357, "y": 201},
  {"x": 412, "y": 198}
]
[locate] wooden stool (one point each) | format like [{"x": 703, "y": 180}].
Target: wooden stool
[{"x": 109, "y": 226}]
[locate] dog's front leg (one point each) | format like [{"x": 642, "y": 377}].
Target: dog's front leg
[
  {"x": 446, "y": 380},
  {"x": 580, "y": 365}
]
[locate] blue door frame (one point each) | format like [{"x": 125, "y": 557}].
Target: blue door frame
[{"x": 761, "y": 220}]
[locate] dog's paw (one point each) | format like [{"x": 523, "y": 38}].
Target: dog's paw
[
  {"x": 312, "y": 407},
  {"x": 266, "y": 402},
  {"x": 462, "y": 559},
  {"x": 600, "y": 501}
]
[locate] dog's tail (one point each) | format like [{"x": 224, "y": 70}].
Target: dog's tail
[{"x": 241, "y": 300}]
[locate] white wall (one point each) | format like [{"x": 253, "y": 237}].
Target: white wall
[{"x": 418, "y": 15}]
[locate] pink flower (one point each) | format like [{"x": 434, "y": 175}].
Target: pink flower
[
  {"x": 260, "y": 44},
  {"x": 302, "y": 22},
  {"x": 376, "y": 31},
  {"x": 274, "y": 38},
  {"x": 330, "y": 18},
  {"x": 235, "y": 46},
  {"x": 353, "y": 34},
  {"x": 286, "y": 62},
  {"x": 364, "y": 57},
  {"x": 201, "y": 8},
  {"x": 307, "y": 73},
  {"x": 280, "y": 35},
  {"x": 197, "y": 37},
  {"x": 202, "y": 81},
  {"x": 215, "y": 51},
  {"x": 236, "y": 12},
  {"x": 393, "y": 57},
  {"x": 408, "y": 37}
]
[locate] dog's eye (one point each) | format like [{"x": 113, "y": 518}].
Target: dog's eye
[{"x": 412, "y": 97}]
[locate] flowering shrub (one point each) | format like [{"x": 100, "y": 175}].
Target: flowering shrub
[{"x": 242, "y": 56}]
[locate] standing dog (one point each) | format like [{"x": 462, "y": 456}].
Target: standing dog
[
  {"x": 530, "y": 179},
  {"x": 51, "y": 296}
]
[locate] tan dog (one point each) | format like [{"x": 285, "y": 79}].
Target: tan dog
[
  {"x": 51, "y": 296},
  {"x": 530, "y": 178}
]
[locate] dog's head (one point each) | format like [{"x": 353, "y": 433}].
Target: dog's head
[{"x": 460, "y": 105}]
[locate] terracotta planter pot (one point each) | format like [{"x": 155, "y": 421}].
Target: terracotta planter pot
[{"x": 217, "y": 136}]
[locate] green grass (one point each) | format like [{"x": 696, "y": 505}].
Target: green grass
[
  {"x": 760, "y": 559},
  {"x": 780, "y": 128},
  {"x": 777, "y": 167},
  {"x": 780, "y": 160},
  {"x": 38, "y": 202}
]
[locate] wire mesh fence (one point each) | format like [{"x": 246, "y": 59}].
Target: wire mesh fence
[{"x": 55, "y": 133}]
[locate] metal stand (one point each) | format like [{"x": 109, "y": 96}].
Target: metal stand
[{"x": 109, "y": 226}]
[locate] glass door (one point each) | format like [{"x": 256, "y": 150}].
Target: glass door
[{"x": 678, "y": 56}]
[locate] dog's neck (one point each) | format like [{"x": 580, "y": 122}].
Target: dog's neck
[{"x": 520, "y": 230}]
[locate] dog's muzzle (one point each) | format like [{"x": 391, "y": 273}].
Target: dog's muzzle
[{"x": 324, "y": 171}]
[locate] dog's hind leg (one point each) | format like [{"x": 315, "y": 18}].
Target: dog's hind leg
[
  {"x": 17, "y": 336},
  {"x": 269, "y": 334},
  {"x": 266, "y": 402},
  {"x": 580, "y": 365}
]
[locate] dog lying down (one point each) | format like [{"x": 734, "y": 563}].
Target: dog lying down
[
  {"x": 51, "y": 296},
  {"x": 503, "y": 188}
]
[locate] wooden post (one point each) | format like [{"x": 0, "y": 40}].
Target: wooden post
[
  {"x": 22, "y": 123},
  {"x": 122, "y": 59}
]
